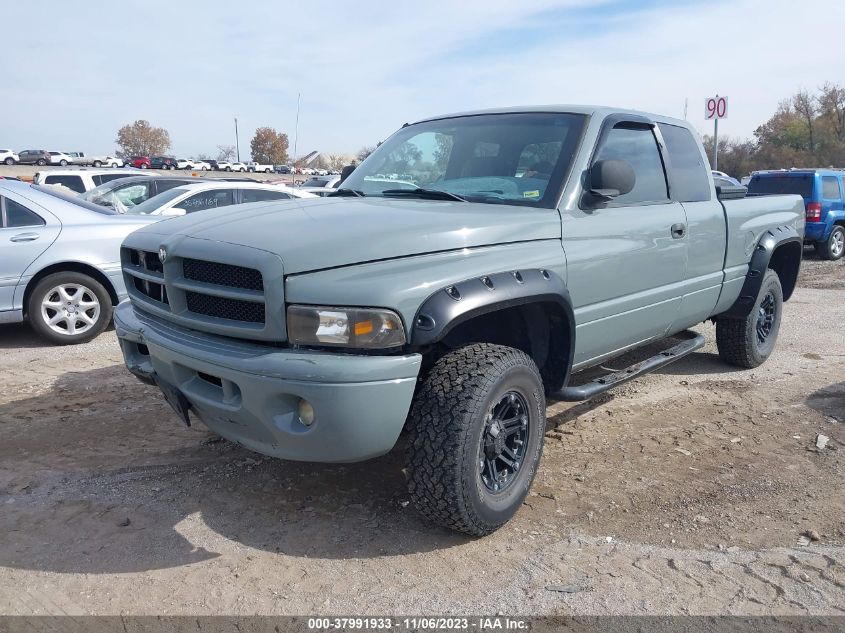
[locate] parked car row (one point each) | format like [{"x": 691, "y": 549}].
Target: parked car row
[
  {"x": 60, "y": 265},
  {"x": 43, "y": 157}
]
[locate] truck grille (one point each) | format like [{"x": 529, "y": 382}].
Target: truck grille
[
  {"x": 149, "y": 263},
  {"x": 193, "y": 290},
  {"x": 224, "y": 308},
  {"x": 222, "y": 274}
]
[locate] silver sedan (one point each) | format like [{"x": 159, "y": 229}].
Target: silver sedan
[{"x": 60, "y": 261}]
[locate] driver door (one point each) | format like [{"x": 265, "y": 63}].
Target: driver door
[{"x": 626, "y": 259}]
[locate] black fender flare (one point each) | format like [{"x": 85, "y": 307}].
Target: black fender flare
[
  {"x": 760, "y": 259},
  {"x": 450, "y": 306}
]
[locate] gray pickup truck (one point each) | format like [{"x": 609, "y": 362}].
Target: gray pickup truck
[{"x": 517, "y": 248}]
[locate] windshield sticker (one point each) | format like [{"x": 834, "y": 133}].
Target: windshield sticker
[{"x": 531, "y": 194}]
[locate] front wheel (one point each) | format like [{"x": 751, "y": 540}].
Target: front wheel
[
  {"x": 143, "y": 166},
  {"x": 834, "y": 246},
  {"x": 63, "y": 163},
  {"x": 476, "y": 434},
  {"x": 69, "y": 307},
  {"x": 97, "y": 163},
  {"x": 749, "y": 341},
  {"x": 42, "y": 162}
]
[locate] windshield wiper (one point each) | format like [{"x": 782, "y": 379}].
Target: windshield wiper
[
  {"x": 431, "y": 194},
  {"x": 346, "y": 192}
]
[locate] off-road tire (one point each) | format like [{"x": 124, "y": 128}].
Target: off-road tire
[
  {"x": 831, "y": 248},
  {"x": 41, "y": 289},
  {"x": 737, "y": 339},
  {"x": 446, "y": 424}
]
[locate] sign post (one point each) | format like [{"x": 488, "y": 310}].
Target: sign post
[{"x": 716, "y": 108}]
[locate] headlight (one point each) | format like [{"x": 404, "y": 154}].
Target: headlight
[{"x": 360, "y": 328}]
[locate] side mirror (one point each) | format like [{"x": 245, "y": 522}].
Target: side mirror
[
  {"x": 610, "y": 179},
  {"x": 344, "y": 173}
]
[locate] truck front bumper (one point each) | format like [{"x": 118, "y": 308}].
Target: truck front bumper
[{"x": 251, "y": 393}]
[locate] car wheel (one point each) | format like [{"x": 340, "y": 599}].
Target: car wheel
[
  {"x": 267, "y": 171},
  {"x": 228, "y": 169},
  {"x": 476, "y": 435},
  {"x": 834, "y": 247},
  {"x": 9, "y": 161},
  {"x": 42, "y": 162},
  {"x": 97, "y": 163},
  {"x": 749, "y": 341},
  {"x": 63, "y": 163},
  {"x": 143, "y": 165},
  {"x": 68, "y": 308}
]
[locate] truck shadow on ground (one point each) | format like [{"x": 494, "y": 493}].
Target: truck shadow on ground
[
  {"x": 18, "y": 335},
  {"x": 97, "y": 476},
  {"x": 829, "y": 401}
]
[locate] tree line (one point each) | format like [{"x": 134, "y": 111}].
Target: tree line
[
  {"x": 807, "y": 130},
  {"x": 268, "y": 146}
]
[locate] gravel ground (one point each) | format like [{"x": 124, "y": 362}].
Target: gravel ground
[{"x": 694, "y": 490}]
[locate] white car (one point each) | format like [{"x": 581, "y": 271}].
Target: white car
[
  {"x": 8, "y": 157},
  {"x": 237, "y": 166},
  {"x": 212, "y": 195},
  {"x": 81, "y": 179},
  {"x": 224, "y": 165},
  {"x": 192, "y": 163},
  {"x": 60, "y": 158}
]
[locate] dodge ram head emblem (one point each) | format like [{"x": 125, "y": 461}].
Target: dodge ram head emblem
[{"x": 162, "y": 254}]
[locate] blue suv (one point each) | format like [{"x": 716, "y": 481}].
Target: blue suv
[{"x": 823, "y": 191}]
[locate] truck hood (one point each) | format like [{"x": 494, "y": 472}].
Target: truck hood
[{"x": 324, "y": 233}]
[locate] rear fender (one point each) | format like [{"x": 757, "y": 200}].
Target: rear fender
[{"x": 780, "y": 249}]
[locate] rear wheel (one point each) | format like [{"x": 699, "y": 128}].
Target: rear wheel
[
  {"x": 42, "y": 162},
  {"x": 748, "y": 342},
  {"x": 97, "y": 163},
  {"x": 476, "y": 435},
  {"x": 69, "y": 307},
  {"x": 834, "y": 247},
  {"x": 9, "y": 161},
  {"x": 143, "y": 165},
  {"x": 63, "y": 163}
]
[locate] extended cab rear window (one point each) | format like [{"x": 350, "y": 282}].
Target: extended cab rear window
[
  {"x": 802, "y": 184},
  {"x": 687, "y": 172}
]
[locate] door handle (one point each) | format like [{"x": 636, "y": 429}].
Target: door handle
[
  {"x": 678, "y": 230},
  {"x": 24, "y": 237}
]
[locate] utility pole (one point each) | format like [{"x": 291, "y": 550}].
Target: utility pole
[
  {"x": 237, "y": 142},
  {"x": 716, "y": 140},
  {"x": 296, "y": 129}
]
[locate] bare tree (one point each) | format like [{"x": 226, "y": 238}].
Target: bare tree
[
  {"x": 832, "y": 104},
  {"x": 336, "y": 162},
  {"x": 806, "y": 106},
  {"x": 365, "y": 151},
  {"x": 226, "y": 152},
  {"x": 142, "y": 139}
]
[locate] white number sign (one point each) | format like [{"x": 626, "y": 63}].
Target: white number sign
[{"x": 716, "y": 108}]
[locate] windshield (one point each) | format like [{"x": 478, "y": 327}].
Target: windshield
[
  {"x": 519, "y": 158},
  {"x": 153, "y": 204},
  {"x": 118, "y": 194},
  {"x": 782, "y": 184},
  {"x": 69, "y": 196}
]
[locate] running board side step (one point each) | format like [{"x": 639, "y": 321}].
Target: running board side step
[{"x": 609, "y": 381}]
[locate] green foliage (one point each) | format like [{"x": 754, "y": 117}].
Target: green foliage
[
  {"x": 269, "y": 146},
  {"x": 807, "y": 130}
]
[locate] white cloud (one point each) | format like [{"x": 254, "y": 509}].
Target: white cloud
[{"x": 71, "y": 78}]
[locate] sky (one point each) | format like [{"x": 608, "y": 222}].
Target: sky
[{"x": 74, "y": 73}]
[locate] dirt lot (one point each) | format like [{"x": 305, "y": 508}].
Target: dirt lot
[{"x": 685, "y": 492}]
